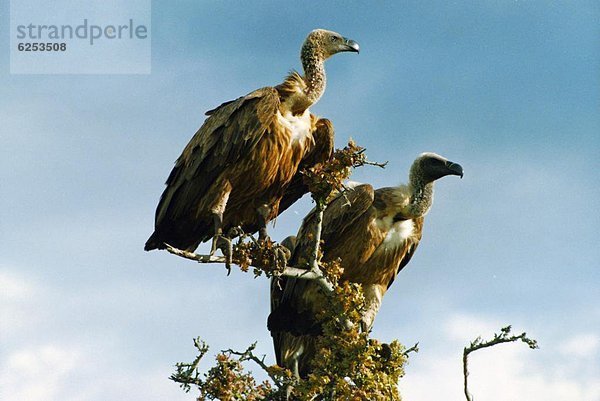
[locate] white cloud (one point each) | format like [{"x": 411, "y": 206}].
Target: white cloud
[
  {"x": 72, "y": 372},
  {"x": 465, "y": 328},
  {"x": 13, "y": 288},
  {"x": 37, "y": 374},
  {"x": 17, "y": 297},
  {"x": 584, "y": 345}
]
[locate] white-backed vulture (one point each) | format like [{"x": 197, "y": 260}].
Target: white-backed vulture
[
  {"x": 242, "y": 166},
  {"x": 374, "y": 233}
]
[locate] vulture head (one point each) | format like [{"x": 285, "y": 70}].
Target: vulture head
[
  {"x": 326, "y": 43},
  {"x": 430, "y": 167}
]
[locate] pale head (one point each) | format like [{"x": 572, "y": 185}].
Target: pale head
[{"x": 325, "y": 44}]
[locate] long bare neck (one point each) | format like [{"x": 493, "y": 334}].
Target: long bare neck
[
  {"x": 314, "y": 72},
  {"x": 421, "y": 196}
]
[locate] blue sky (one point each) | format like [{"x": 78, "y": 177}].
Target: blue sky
[{"x": 509, "y": 89}]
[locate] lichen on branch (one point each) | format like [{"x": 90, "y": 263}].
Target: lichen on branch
[
  {"x": 325, "y": 179},
  {"x": 227, "y": 380},
  {"x": 348, "y": 365}
]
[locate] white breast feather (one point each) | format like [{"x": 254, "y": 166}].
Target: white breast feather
[
  {"x": 298, "y": 126},
  {"x": 397, "y": 234}
]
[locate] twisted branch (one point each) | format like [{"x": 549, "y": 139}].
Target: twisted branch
[
  {"x": 248, "y": 355},
  {"x": 478, "y": 343}
]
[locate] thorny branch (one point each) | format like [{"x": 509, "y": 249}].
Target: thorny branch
[
  {"x": 414, "y": 348},
  {"x": 478, "y": 343},
  {"x": 227, "y": 380},
  {"x": 187, "y": 373},
  {"x": 248, "y": 355}
]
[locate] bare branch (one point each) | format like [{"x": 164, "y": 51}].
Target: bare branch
[
  {"x": 362, "y": 160},
  {"x": 314, "y": 256},
  {"x": 194, "y": 256},
  {"x": 376, "y": 164},
  {"x": 188, "y": 373},
  {"x": 248, "y": 355},
  {"x": 414, "y": 348},
  {"x": 293, "y": 272},
  {"x": 478, "y": 343}
]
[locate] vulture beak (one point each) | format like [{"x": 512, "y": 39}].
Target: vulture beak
[
  {"x": 454, "y": 169},
  {"x": 351, "y": 46}
]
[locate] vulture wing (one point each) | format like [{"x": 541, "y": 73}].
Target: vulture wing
[
  {"x": 340, "y": 214},
  {"x": 231, "y": 131}
]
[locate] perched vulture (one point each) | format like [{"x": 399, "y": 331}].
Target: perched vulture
[
  {"x": 242, "y": 166},
  {"x": 374, "y": 233}
]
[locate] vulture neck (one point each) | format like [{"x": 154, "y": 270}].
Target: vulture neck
[
  {"x": 421, "y": 197},
  {"x": 313, "y": 63}
]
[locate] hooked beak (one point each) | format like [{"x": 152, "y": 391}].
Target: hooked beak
[
  {"x": 351, "y": 46},
  {"x": 454, "y": 169}
]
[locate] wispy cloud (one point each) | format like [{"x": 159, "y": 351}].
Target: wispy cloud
[
  {"x": 74, "y": 372},
  {"x": 583, "y": 346}
]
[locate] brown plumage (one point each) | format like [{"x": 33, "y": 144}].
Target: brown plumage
[
  {"x": 374, "y": 233},
  {"x": 242, "y": 166}
]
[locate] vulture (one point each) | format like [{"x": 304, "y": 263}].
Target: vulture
[
  {"x": 374, "y": 233},
  {"x": 242, "y": 167}
]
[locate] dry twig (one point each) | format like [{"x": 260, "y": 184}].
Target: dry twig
[{"x": 478, "y": 343}]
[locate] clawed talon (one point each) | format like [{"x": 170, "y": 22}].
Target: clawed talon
[
  {"x": 263, "y": 236},
  {"x": 282, "y": 255},
  {"x": 235, "y": 232},
  {"x": 226, "y": 246}
]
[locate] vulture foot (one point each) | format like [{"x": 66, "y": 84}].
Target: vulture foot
[
  {"x": 235, "y": 232},
  {"x": 263, "y": 236},
  {"x": 226, "y": 246},
  {"x": 282, "y": 255}
]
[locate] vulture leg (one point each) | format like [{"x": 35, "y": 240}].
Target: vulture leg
[
  {"x": 296, "y": 369},
  {"x": 286, "y": 248},
  {"x": 221, "y": 242},
  {"x": 218, "y": 224},
  {"x": 296, "y": 372},
  {"x": 226, "y": 246},
  {"x": 373, "y": 295},
  {"x": 263, "y": 215}
]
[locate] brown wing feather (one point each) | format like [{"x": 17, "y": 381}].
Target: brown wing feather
[
  {"x": 231, "y": 131},
  {"x": 340, "y": 214}
]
